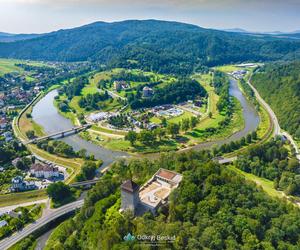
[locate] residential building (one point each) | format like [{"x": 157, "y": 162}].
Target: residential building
[
  {"x": 44, "y": 171},
  {"x": 15, "y": 214},
  {"x": 3, "y": 223},
  {"x": 18, "y": 184},
  {"x": 119, "y": 85}
]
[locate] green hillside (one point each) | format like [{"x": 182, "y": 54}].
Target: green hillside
[
  {"x": 167, "y": 47},
  {"x": 213, "y": 208},
  {"x": 279, "y": 85}
]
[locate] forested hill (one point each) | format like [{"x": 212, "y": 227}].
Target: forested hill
[
  {"x": 168, "y": 47},
  {"x": 213, "y": 208},
  {"x": 279, "y": 85}
]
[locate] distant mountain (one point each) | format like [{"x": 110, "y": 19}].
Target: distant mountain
[
  {"x": 237, "y": 30},
  {"x": 8, "y": 37},
  {"x": 162, "y": 46}
]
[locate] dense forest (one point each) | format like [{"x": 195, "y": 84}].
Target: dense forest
[
  {"x": 272, "y": 161},
  {"x": 279, "y": 85},
  {"x": 166, "y": 47},
  {"x": 212, "y": 209},
  {"x": 176, "y": 92}
]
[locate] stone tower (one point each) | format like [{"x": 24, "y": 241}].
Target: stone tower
[{"x": 129, "y": 196}]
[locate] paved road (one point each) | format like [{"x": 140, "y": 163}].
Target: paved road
[
  {"x": 276, "y": 128},
  {"x": 45, "y": 219},
  {"x": 294, "y": 144}
]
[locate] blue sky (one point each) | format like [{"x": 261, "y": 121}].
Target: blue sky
[{"x": 37, "y": 16}]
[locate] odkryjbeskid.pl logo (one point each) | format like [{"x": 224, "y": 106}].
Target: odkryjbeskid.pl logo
[{"x": 129, "y": 237}]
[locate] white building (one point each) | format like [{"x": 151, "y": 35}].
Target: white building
[
  {"x": 3, "y": 223},
  {"x": 44, "y": 171}
]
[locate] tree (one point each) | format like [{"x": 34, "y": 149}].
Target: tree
[
  {"x": 160, "y": 133},
  {"x": 254, "y": 135},
  {"x": 58, "y": 191},
  {"x": 185, "y": 125},
  {"x": 194, "y": 121},
  {"x": 173, "y": 129},
  {"x": 249, "y": 138},
  {"x": 147, "y": 137},
  {"x": 88, "y": 171},
  {"x": 243, "y": 141},
  {"x": 210, "y": 114},
  {"x": 164, "y": 122},
  {"x": 132, "y": 137},
  {"x": 30, "y": 134},
  {"x": 82, "y": 153}
]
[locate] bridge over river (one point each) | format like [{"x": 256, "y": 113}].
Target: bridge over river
[{"x": 60, "y": 134}]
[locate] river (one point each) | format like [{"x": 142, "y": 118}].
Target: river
[
  {"x": 250, "y": 115},
  {"x": 46, "y": 114}
]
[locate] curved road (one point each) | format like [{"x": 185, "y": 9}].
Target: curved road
[
  {"x": 44, "y": 220},
  {"x": 276, "y": 127}
]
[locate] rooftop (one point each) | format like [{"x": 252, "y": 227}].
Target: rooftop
[
  {"x": 129, "y": 186},
  {"x": 159, "y": 187},
  {"x": 40, "y": 167}
]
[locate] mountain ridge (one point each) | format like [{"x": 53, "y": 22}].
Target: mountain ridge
[{"x": 163, "y": 46}]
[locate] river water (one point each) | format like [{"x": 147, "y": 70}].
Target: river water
[
  {"x": 45, "y": 114},
  {"x": 250, "y": 115}
]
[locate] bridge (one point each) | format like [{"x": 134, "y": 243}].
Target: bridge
[
  {"x": 54, "y": 214},
  {"x": 84, "y": 183},
  {"x": 60, "y": 134}
]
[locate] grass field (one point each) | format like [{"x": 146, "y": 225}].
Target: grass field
[
  {"x": 109, "y": 131},
  {"x": 15, "y": 198},
  {"x": 179, "y": 118},
  {"x": 227, "y": 68},
  {"x": 8, "y": 66},
  {"x": 265, "y": 184}
]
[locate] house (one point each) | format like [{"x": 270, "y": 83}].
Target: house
[
  {"x": 15, "y": 214},
  {"x": 18, "y": 184},
  {"x": 3, "y": 223},
  {"x": 119, "y": 85},
  {"x": 147, "y": 92},
  {"x": 44, "y": 171},
  {"x": 15, "y": 161},
  {"x": 152, "y": 195},
  {"x": 8, "y": 136}
]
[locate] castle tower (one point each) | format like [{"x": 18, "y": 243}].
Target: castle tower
[{"x": 129, "y": 196}]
